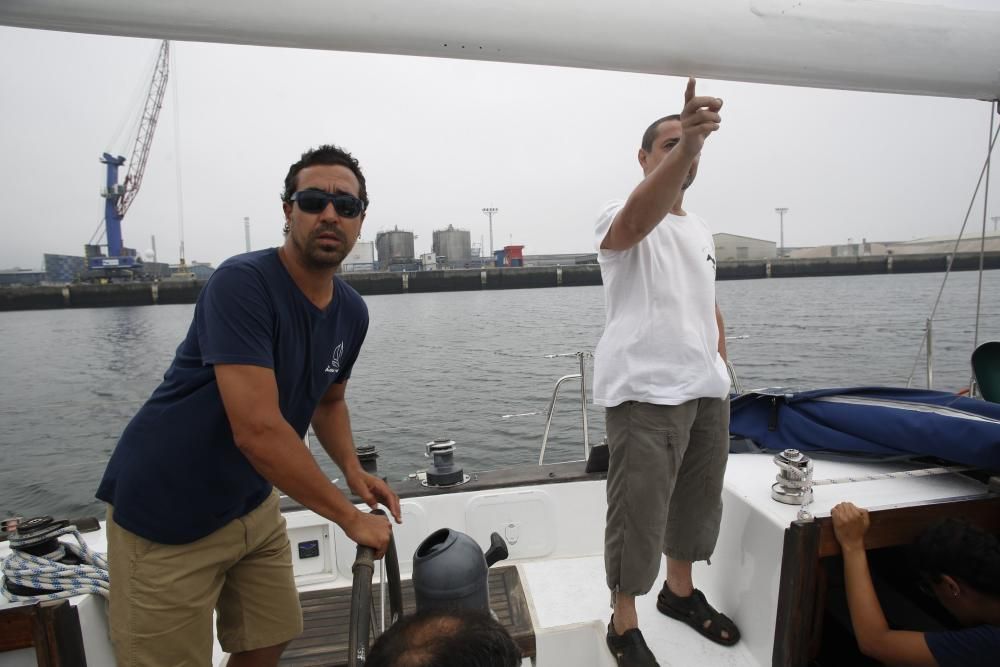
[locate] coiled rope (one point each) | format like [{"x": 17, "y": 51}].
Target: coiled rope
[{"x": 46, "y": 572}]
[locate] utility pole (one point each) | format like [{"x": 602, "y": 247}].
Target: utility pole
[
  {"x": 246, "y": 228},
  {"x": 994, "y": 219},
  {"x": 781, "y": 213},
  {"x": 153, "y": 241},
  {"x": 489, "y": 211}
]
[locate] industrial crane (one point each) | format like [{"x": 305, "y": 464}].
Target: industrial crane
[{"x": 119, "y": 196}]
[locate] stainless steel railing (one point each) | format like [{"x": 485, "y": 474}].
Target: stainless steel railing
[{"x": 582, "y": 375}]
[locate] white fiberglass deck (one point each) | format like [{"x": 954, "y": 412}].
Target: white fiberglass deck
[
  {"x": 555, "y": 533},
  {"x": 570, "y": 594}
]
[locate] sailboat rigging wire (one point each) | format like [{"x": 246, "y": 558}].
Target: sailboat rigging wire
[
  {"x": 98, "y": 234},
  {"x": 131, "y": 119},
  {"x": 954, "y": 250},
  {"x": 177, "y": 153},
  {"x": 982, "y": 245}
]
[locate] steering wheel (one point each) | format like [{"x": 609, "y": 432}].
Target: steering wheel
[{"x": 362, "y": 618}]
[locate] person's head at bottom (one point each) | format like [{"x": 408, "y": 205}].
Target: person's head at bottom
[
  {"x": 444, "y": 638},
  {"x": 960, "y": 565}
]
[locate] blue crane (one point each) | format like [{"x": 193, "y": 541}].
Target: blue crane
[{"x": 119, "y": 196}]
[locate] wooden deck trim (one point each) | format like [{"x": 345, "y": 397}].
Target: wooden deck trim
[
  {"x": 51, "y": 628},
  {"x": 796, "y": 595},
  {"x": 901, "y": 525}
]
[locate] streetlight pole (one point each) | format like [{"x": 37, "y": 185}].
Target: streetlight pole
[
  {"x": 781, "y": 213},
  {"x": 489, "y": 211}
]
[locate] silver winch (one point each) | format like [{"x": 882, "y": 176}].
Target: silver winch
[
  {"x": 794, "y": 485},
  {"x": 443, "y": 471}
]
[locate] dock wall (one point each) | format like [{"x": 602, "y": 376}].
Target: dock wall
[{"x": 458, "y": 280}]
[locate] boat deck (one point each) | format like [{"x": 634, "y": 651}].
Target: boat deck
[
  {"x": 324, "y": 639},
  {"x": 570, "y": 592}
]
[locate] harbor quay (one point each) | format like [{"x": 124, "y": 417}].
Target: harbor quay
[{"x": 42, "y": 297}]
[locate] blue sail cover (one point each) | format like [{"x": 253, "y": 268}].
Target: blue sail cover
[{"x": 872, "y": 420}]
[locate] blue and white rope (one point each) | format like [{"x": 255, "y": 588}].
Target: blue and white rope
[{"x": 47, "y": 573}]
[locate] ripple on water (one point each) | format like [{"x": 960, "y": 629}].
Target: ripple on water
[{"x": 451, "y": 364}]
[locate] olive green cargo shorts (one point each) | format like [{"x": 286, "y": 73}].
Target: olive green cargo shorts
[
  {"x": 163, "y": 595},
  {"x": 665, "y": 473}
]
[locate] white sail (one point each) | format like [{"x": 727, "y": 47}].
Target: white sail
[{"x": 947, "y": 48}]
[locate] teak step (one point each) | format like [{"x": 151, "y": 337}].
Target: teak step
[{"x": 323, "y": 642}]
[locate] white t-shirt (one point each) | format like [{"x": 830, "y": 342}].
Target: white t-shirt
[{"x": 660, "y": 342}]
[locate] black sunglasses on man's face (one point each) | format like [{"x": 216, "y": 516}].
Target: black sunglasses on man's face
[{"x": 315, "y": 201}]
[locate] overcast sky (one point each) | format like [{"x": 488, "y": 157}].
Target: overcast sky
[{"x": 440, "y": 139}]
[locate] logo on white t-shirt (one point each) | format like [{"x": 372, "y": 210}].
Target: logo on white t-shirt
[{"x": 338, "y": 352}]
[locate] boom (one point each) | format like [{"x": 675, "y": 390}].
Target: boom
[{"x": 947, "y": 48}]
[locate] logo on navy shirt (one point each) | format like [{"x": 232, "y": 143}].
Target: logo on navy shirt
[{"x": 338, "y": 352}]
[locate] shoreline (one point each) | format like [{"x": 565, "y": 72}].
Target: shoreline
[{"x": 459, "y": 280}]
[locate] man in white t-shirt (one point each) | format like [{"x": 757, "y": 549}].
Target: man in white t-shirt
[{"x": 660, "y": 372}]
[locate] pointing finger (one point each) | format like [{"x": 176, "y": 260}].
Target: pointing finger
[{"x": 689, "y": 93}]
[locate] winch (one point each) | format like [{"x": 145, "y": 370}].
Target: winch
[
  {"x": 443, "y": 471},
  {"x": 368, "y": 455},
  {"x": 794, "y": 485}
]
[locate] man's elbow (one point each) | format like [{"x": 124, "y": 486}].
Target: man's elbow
[
  {"x": 624, "y": 234},
  {"x": 251, "y": 437},
  {"x": 875, "y": 648}
]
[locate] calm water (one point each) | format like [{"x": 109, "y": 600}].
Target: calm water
[{"x": 452, "y": 364}]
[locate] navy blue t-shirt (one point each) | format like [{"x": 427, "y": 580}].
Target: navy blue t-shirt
[
  {"x": 971, "y": 647},
  {"x": 176, "y": 474}
]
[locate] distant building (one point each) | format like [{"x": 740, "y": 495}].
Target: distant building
[
  {"x": 156, "y": 270},
  {"x": 361, "y": 258},
  {"x": 18, "y": 276},
  {"x": 943, "y": 245},
  {"x": 428, "y": 261},
  {"x": 199, "y": 270},
  {"x": 513, "y": 255},
  {"x": 568, "y": 259},
  {"x": 734, "y": 248},
  {"x": 865, "y": 248},
  {"x": 63, "y": 269}
]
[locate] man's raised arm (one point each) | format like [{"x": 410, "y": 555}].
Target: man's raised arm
[{"x": 666, "y": 166}]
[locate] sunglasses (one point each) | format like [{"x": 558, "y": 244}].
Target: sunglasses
[{"x": 315, "y": 201}]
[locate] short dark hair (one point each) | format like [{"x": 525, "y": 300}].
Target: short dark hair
[
  {"x": 649, "y": 136},
  {"x": 445, "y": 638},
  {"x": 326, "y": 154},
  {"x": 960, "y": 550}
]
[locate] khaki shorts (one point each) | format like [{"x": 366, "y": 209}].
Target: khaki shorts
[
  {"x": 665, "y": 472},
  {"x": 163, "y": 595}
]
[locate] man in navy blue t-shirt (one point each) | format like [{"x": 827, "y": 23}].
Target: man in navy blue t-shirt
[
  {"x": 960, "y": 565},
  {"x": 193, "y": 520}
]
